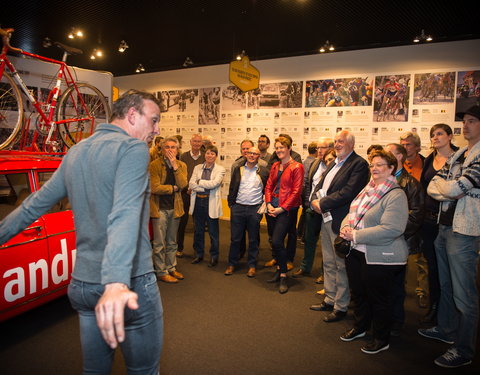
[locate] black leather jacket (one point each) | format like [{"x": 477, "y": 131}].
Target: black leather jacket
[
  {"x": 415, "y": 195},
  {"x": 262, "y": 173}
]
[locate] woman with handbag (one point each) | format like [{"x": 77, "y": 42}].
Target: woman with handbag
[
  {"x": 283, "y": 197},
  {"x": 375, "y": 226}
]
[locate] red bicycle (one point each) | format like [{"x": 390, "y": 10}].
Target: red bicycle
[{"x": 69, "y": 113}]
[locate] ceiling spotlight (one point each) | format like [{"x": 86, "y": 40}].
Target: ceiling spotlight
[
  {"x": 327, "y": 47},
  {"x": 187, "y": 62},
  {"x": 139, "y": 69},
  {"x": 123, "y": 46},
  {"x": 423, "y": 38},
  {"x": 75, "y": 33},
  {"x": 96, "y": 53},
  {"x": 241, "y": 55}
]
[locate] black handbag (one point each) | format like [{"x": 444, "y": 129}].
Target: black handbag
[{"x": 342, "y": 246}]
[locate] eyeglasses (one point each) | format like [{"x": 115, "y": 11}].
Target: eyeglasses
[
  {"x": 376, "y": 165},
  {"x": 253, "y": 153}
]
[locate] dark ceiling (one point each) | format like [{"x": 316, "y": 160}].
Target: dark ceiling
[{"x": 162, "y": 33}]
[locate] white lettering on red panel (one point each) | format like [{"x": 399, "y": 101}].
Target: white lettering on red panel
[{"x": 15, "y": 288}]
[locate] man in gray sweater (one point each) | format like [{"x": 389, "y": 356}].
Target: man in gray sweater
[{"x": 106, "y": 180}]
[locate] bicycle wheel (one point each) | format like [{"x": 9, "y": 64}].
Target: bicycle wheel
[
  {"x": 11, "y": 111},
  {"x": 82, "y": 111}
]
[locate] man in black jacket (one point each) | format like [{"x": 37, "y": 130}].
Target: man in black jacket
[
  {"x": 313, "y": 221},
  {"x": 245, "y": 197},
  {"x": 416, "y": 196}
]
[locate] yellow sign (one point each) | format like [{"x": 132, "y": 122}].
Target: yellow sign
[{"x": 244, "y": 75}]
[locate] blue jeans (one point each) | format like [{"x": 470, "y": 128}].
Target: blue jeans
[
  {"x": 143, "y": 328},
  {"x": 244, "y": 218},
  {"x": 457, "y": 258},
  {"x": 201, "y": 218},
  {"x": 283, "y": 224}
]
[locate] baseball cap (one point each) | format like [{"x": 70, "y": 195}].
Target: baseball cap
[{"x": 472, "y": 111}]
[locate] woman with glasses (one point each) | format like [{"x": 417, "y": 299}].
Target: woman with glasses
[{"x": 375, "y": 225}]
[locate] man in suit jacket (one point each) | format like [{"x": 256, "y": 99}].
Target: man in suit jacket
[
  {"x": 339, "y": 185},
  {"x": 313, "y": 221}
]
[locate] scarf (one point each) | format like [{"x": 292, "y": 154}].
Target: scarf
[{"x": 370, "y": 195}]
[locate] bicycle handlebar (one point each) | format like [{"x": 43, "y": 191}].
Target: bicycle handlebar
[{"x": 6, "y": 34}]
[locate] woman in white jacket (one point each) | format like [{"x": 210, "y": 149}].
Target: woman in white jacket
[{"x": 206, "y": 204}]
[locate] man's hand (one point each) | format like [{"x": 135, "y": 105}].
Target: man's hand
[
  {"x": 316, "y": 206},
  {"x": 172, "y": 157},
  {"x": 110, "y": 310}
]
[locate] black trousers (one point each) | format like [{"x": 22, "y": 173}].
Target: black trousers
[
  {"x": 284, "y": 224},
  {"x": 371, "y": 288},
  {"x": 183, "y": 220}
]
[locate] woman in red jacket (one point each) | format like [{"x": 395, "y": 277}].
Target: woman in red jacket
[{"x": 283, "y": 197}]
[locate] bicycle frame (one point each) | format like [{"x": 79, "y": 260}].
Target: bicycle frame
[{"x": 64, "y": 74}]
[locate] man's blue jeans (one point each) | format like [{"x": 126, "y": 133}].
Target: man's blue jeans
[
  {"x": 457, "y": 257},
  {"x": 201, "y": 218},
  {"x": 143, "y": 328},
  {"x": 244, "y": 218}
]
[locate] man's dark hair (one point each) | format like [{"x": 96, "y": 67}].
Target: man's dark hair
[
  {"x": 312, "y": 148},
  {"x": 131, "y": 98},
  {"x": 265, "y": 136}
]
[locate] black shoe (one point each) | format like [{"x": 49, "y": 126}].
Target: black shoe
[
  {"x": 375, "y": 347},
  {"x": 322, "y": 307},
  {"x": 213, "y": 262},
  {"x": 335, "y": 316},
  {"x": 283, "y": 288},
  {"x": 352, "y": 334},
  {"x": 275, "y": 278},
  {"x": 197, "y": 260}
]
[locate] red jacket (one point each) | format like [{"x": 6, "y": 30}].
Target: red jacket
[{"x": 291, "y": 184}]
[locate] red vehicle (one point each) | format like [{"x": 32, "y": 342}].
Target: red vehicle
[{"x": 35, "y": 265}]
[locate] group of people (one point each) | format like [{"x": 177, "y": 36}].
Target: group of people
[
  {"x": 395, "y": 204},
  {"x": 389, "y": 208}
]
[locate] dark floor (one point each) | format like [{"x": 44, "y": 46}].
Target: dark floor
[{"x": 229, "y": 325}]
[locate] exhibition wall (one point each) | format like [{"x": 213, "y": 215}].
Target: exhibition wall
[{"x": 376, "y": 93}]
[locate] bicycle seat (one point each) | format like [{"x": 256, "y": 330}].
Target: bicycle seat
[{"x": 68, "y": 49}]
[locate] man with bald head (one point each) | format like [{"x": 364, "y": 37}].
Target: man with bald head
[
  {"x": 245, "y": 197},
  {"x": 339, "y": 185}
]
